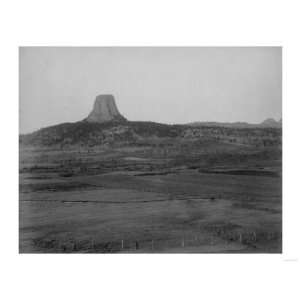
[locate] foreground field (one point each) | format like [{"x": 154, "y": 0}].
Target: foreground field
[{"x": 144, "y": 200}]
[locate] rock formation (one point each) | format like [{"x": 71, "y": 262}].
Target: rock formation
[{"x": 105, "y": 110}]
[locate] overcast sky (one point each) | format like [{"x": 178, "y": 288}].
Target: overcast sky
[{"x": 168, "y": 85}]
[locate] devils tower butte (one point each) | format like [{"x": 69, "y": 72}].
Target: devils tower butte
[{"x": 105, "y": 110}]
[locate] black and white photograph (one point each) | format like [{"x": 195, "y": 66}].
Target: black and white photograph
[{"x": 150, "y": 150}]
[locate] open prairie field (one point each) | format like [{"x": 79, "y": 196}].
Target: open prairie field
[{"x": 136, "y": 200}]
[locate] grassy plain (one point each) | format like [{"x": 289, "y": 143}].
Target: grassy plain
[{"x": 198, "y": 198}]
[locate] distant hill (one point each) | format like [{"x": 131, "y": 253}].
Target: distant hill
[
  {"x": 106, "y": 126},
  {"x": 86, "y": 134},
  {"x": 270, "y": 123},
  {"x": 89, "y": 134}
]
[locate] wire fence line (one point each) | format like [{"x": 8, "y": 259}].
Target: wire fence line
[{"x": 250, "y": 239}]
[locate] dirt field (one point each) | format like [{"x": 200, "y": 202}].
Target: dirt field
[{"x": 142, "y": 200}]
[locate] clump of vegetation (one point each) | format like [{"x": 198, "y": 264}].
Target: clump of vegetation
[{"x": 253, "y": 238}]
